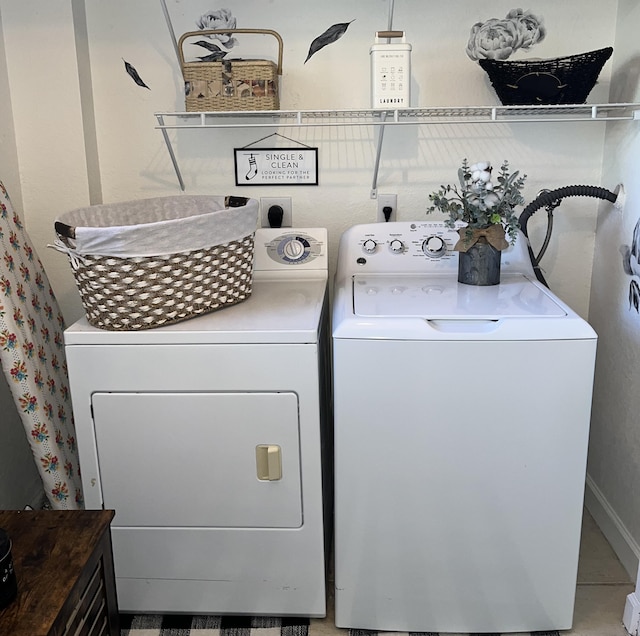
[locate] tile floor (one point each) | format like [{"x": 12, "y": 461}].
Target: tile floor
[{"x": 603, "y": 586}]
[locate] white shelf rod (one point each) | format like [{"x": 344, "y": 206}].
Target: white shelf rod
[{"x": 169, "y": 146}]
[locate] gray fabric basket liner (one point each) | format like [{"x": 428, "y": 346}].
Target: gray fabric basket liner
[{"x": 158, "y": 226}]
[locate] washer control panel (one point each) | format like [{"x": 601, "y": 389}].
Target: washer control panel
[
  {"x": 398, "y": 246},
  {"x": 420, "y": 246}
]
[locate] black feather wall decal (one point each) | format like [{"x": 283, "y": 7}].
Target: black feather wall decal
[
  {"x": 134, "y": 74},
  {"x": 213, "y": 57},
  {"x": 332, "y": 34},
  {"x": 208, "y": 45}
]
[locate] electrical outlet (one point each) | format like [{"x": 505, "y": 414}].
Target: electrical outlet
[
  {"x": 267, "y": 203},
  {"x": 386, "y": 202}
]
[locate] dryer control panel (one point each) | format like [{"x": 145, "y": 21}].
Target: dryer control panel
[
  {"x": 420, "y": 246},
  {"x": 290, "y": 248}
]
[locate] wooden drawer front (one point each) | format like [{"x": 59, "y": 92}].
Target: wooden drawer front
[{"x": 90, "y": 618}]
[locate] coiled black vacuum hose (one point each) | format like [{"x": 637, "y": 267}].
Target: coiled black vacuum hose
[{"x": 551, "y": 199}]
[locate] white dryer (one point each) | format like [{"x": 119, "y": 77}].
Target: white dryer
[
  {"x": 210, "y": 439},
  {"x": 461, "y": 429}
]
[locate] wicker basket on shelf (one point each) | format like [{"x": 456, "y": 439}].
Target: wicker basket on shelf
[
  {"x": 563, "y": 80},
  {"x": 153, "y": 262},
  {"x": 231, "y": 84}
]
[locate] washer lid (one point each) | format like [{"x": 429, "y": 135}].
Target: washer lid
[{"x": 435, "y": 296}]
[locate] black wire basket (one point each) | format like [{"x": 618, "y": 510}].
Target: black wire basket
[{"x": 563, "y": 80}]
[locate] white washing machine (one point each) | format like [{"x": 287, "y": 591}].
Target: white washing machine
[
  {"x": 209, "y": 439},
  {"x": 461, "y": 429}
]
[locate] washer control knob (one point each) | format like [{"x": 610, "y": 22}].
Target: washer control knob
[
  {"x": 396, "y": 246},
  {"x": 369, "y": 246},
  {"x": 434, "y": 246}
]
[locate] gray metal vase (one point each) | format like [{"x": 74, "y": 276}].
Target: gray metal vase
[{"x": 479, "y": 265}]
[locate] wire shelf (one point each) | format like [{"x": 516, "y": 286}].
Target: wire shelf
[
  {"x": 404, "y": 116},
  {"x": 373, "y": 117}
]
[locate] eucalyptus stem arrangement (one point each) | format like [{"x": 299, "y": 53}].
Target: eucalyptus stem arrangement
[{"x": 486, "y": 204}]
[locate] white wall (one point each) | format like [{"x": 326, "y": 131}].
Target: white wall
[
  {"x": 9, "y": 172},
  {"x": 133, "y": 163},
  {"x": 415, "y": 160},
  {"x": 614, "y": 459},
  {"x": 47, "y": 121}
]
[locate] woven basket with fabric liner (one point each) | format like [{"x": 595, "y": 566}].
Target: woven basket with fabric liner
[
  {"x": 153, "y": 262},
  {"x": 563, "y": 80},
  {"x": 233, "y": 84}
]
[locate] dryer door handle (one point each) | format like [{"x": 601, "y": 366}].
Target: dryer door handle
[{"x": 269, "y": 462}]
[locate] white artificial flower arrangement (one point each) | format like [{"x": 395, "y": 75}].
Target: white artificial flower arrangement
[{"x": 485, "y": 205}]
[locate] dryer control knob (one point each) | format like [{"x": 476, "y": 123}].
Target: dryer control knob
[
  {"x": 434, "y": 246},
  {"x": 396, "y": 246},
  {"x": 369, "y": 246},
  {"x": 293, "y": 249}
]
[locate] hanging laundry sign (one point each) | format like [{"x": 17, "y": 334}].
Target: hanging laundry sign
[{"x": 276, "y": 166}]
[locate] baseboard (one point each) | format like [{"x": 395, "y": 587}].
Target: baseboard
[
  {"x": 624, "y": 545},
  {"x": 631, "y": 617},
  {"x": 37, "y": 501}
]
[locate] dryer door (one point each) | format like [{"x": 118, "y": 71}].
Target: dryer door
[{"x": 189, "y": 459}]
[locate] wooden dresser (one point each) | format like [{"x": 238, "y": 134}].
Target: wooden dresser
[{"x": 64, "y": 568}]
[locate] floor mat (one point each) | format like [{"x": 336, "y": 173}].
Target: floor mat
[{"x": 187, "y": 625}]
